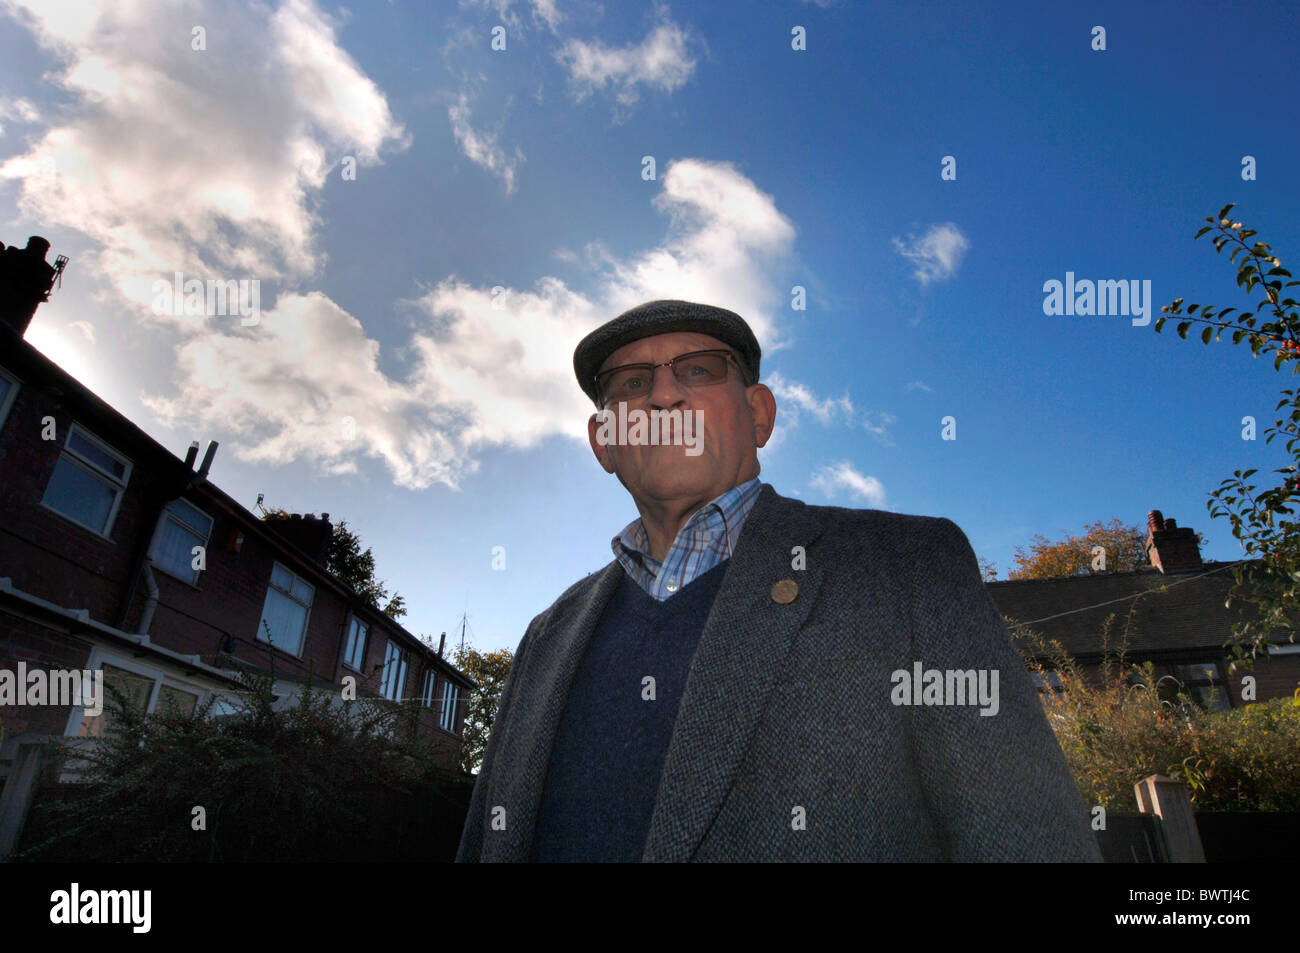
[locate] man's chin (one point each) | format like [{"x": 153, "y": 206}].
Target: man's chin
[{"x": 673, "y": 482}]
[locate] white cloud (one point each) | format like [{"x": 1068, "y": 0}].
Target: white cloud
[
  {"x": 661, "y": 61},
  {"x": 171, "y": 159},
  {"x": 85, "y": 329},
  {"x": 176, "y": 159},
  {"x": 937, "y": 254},
  {"x": 21, "y": 109},
  {"x": 794, "y": 397},
  {"x": 482, "y": 148},
  {"x": 878, "y": 425},
  {"x": 920, "y": 385},
  {"x": 843, "y": 476},
  {"x": 487, "y": 370},
  {"x": 545, "y": 10}
]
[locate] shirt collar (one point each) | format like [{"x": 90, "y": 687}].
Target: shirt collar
[{"x": 732, "y": 507}]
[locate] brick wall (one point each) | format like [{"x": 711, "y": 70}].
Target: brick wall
[{"x": 39, "y": 647}]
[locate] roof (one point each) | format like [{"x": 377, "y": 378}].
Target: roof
[{"x": 1165, "y": 614}]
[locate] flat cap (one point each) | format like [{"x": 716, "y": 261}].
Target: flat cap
[{"x": 664, "y": 317}]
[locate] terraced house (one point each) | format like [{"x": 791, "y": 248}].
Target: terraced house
[{"x": 118, "y": 557}]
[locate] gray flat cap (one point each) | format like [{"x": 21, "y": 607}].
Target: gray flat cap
[{"x": 664, "y": 317}]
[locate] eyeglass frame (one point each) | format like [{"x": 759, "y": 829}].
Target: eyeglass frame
[{"x": 730, "y": 354}]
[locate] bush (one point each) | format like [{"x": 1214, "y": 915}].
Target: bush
[
  {"x": 1123, "y": 724},
  {"x": 322, "y": 780}
]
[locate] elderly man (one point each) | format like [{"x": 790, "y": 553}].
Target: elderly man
[{"x": 752, "y": 678}]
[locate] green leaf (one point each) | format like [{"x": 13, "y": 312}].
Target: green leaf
[
  {"x": 1160, "y": 323},
  {"x": 1182, "y": 329},
  {"x": 1223, "y": 212},
  {"x": 1192, "y": 308},
  {"x": 1236, "y": 335},
  {"x": 1203, "y": 231},
  {"x": 1206, "y": 335}
]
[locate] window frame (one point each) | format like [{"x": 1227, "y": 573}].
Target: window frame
[
  {"x": 306, "y": 619},
  {"x": 94, "y": 470},
  {"x": 165, "y": 515},
  {"x": 354, "y": 622},
  {"x": 450, "y": 704},
  {"x": 427, "y": 695},
  {"x": 99, "y": 657},
  {"x": 7, "y": 403},
  {"x": 394, "y": 652},
  {"x": 1216, "y": 685}
]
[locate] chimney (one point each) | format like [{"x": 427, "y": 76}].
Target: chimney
[
  {"x": 1170, "y": 547},
  {"x": 308, "y": 533},
  {"x": 25, "y": 281}
]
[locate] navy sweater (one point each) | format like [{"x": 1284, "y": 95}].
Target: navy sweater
[{"x": 609, "y": 751}]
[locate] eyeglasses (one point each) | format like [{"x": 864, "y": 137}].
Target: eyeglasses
[{"x": 630, "y": 382}]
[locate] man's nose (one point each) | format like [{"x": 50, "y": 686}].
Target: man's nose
[{"x": 667, "y": 391}]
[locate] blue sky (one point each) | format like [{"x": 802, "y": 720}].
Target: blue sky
[{"x": 411, "y": 370}]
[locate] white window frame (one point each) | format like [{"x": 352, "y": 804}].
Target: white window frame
[
  {"x": 306, "y": 619},
  {"x": 394, "y": 679},
  {"x": 160, "y": 676},
  {"x": 430, "y": 682},
  {"x": 355, "y": 624},
  {"x": 163, "y": 517},
  {"x": 450, "y": 702},
  {"x": 7, "y": 404},
  {"x": 96, "y": 471}
]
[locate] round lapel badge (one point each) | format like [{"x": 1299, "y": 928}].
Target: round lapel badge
[{"x": 783, "y": 592}]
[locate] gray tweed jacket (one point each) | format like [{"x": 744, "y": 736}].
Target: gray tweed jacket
[{"x": 789, "y": 744}]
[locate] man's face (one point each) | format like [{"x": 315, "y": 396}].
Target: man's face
[{"x": 735, "y": 421}]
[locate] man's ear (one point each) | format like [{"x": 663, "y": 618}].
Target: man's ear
[
  {"x": 762, "y": 405},
  {"x": 600, "y": 449}
]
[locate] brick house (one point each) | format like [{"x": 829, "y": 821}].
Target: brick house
[
  {"x": 1173, "y": 610},
  {"x": 116, "y": 556}
]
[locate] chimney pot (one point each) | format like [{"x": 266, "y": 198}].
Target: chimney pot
[
  {"x": 25, "y": 281},
  {"x": 1170, "y": 547}
]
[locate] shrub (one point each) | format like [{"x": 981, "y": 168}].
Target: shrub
[
  {"x": 322, "y": 780},
  {"x": 1121, "y": 724}
]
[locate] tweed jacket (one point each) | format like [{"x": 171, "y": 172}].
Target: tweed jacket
[{"x": 790, "y": 743}]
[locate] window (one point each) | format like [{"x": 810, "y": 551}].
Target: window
[
  {"x": 450, "y": 695},
  {"x": 148, "y": 689},
  {"x": 430, "y": 680},
  {"x": 284, "y": 617},
  {"x": 1203, "y": 684},
  {"x": 394, "y": 673},
  {"x": 355, "y": 653},
  {"x": 8, "y": 391},
  {"x": 180, "y": 528},
  {"x": 88, "y": 481}
]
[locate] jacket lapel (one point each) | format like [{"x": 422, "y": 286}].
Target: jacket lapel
[{"x": 745, "y": 638}]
